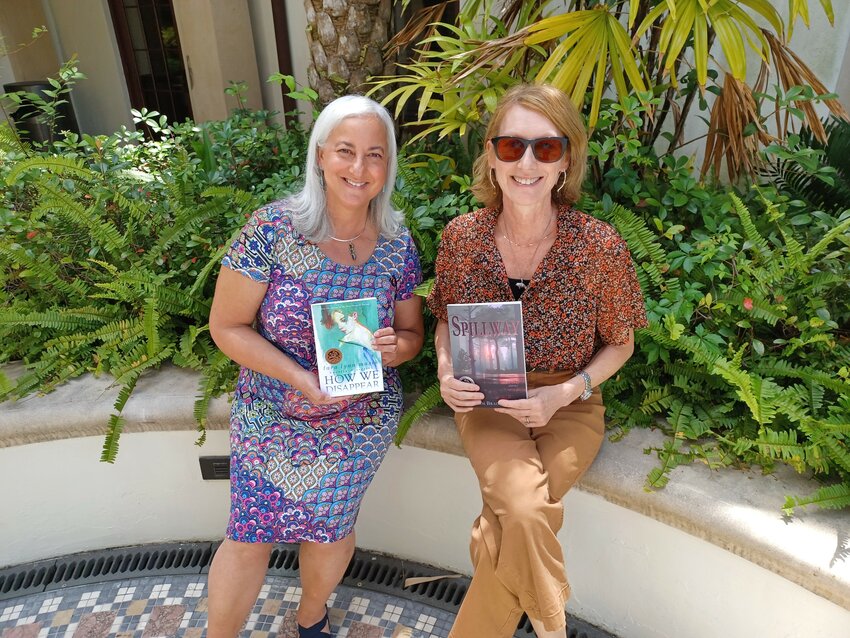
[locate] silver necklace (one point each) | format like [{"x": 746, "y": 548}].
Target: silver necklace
[
  {"x": 351, "y": 241},
  {"x": 523, "y": 283}
]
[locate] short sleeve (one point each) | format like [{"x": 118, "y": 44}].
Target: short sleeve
[
  {"x": 621, "y": 305},
  {"x": 439, "y": 296},
  {"x": 252, "y": 253},
  {"x": 412, "y": 273}
]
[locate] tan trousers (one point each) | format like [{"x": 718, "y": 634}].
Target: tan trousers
[{"x": 523, "y": 474}]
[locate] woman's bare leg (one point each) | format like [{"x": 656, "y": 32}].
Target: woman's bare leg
[
  {"x": 236, "y": 576},
  {"x": 321, "y": 566}
]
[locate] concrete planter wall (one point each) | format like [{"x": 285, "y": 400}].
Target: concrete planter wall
[{"x": 708, "y": 556}]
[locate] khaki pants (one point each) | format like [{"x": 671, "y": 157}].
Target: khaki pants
[{"x": 523, "y": 474}]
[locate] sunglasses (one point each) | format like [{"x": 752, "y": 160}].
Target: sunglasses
[{"x": 545, "y": 149}]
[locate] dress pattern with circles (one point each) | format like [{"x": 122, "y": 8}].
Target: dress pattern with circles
[{"x": 298, "y": 471}]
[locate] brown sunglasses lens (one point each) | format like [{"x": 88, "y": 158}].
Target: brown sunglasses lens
[{"x": 545, "y": 149}]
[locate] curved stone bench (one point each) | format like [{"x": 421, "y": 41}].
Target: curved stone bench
[{"x": 425, "y": 498}]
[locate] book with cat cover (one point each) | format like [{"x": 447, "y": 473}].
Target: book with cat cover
[
  {"x": 488, "y": 348},
  {"x": 343, "y": 332}
]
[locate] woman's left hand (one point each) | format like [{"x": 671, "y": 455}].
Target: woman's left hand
[
  {"x": 385, "y": 341},
  {"x": 541, "y": 404}
]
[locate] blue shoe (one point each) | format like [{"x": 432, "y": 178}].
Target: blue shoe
[{"x": 316, "y": 630}]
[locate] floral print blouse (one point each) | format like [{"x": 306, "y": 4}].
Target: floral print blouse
[{"x": 584, "y": 294}]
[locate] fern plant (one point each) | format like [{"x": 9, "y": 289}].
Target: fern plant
[
  {"x": 116, "y": 305},
  {"x": 108, "y": 248},
  {"x": 767, "y": 335}
]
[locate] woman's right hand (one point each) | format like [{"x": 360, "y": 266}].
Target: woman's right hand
[
  {"x": 459, "y": 395},
  {"x": 307, "y": 384}
]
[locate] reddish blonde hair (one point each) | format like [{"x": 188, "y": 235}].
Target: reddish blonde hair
[{"x": 555, "y": 106}]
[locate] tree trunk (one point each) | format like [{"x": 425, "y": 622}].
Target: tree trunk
[{"x": 346, "y": 42}]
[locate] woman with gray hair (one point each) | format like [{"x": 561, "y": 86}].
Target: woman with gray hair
[{"x": 301, "y": 460}]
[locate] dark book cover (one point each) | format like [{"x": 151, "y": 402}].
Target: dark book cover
[{"x": 488, "y": 348}]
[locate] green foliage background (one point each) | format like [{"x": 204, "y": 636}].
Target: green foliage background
[{"x": 109, "y": 247}]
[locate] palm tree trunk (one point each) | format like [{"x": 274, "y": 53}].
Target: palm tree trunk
[{"x": 346, "y": 41}]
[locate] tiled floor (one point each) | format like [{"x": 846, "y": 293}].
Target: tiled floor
[{"x": 177, "y": 606}]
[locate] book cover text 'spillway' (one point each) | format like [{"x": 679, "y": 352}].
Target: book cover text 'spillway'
[{"x": 488, "y": 348}]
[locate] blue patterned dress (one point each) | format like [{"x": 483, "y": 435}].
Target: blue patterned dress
[{"x": 298, "y": 471}]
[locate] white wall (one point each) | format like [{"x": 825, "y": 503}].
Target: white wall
[
  {"x": 262, "y": 25},
  {"x": 84, "y": 27},
  {"x": 57, "y": 498},
  {"x": 821, "y": 46},
  {"x": 630, "y": 574},
  {"x": 266, "y": 47},
  {"x": 843, "y": 88}
]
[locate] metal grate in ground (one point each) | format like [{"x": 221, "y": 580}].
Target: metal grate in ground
[{"x": 368, "y": 572}]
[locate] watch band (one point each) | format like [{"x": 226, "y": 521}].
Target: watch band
[{"x": 588, "y": 388}]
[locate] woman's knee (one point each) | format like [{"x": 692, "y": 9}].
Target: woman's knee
[
  {"x": 527, "y": 508},
  {"x": 252, "y": 552}
]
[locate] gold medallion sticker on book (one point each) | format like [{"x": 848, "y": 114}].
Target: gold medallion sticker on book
[{"x": 333, "y": 356}]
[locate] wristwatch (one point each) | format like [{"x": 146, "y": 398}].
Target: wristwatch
[{"x": 588, "y": 388}]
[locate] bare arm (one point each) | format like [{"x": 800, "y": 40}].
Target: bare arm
[
  {"x": 458, "y": 395},
  {"x": 543, "y": 402},
  {"x": 404, "y": 340},
  {"x": 234, "y": 308}
]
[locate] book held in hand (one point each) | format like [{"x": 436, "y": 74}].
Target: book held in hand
[
  {"x": 343, "y": 332},
  {"x": 488, "y": 348}
]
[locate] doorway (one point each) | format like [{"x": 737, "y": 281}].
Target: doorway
[{"x": 146, "y": 31}]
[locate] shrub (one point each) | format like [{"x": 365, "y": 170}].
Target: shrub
[
  {"x": 108, "y": 243},
  {"x": 747, "y": 356}
]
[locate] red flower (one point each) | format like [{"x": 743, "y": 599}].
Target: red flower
[
  {"x": 748, "y": 303},
  {"x": 32, "y": 234}
]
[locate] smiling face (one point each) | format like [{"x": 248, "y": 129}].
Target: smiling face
[
  {"x": 354, "y": 162},
  {"x": 526, "y": 181}
]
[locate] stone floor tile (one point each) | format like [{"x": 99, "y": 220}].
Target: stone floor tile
[
  {"x": 354, "y": 612},
  {"x": 136, "y": 608},
  {"x": 62, "y": 617},
  {"x": 164, "y": 621},
  {"x": 362, "y": 630},
  {"x": 336, "y": 616},
  {"x": 95, "y": 625},
  {"x": 270, "y": 607},
  {"x": 29, "y": 630},
  {"x": 288, "y": 626}
]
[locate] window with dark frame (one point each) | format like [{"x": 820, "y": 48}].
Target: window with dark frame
[{"x": 146, "y": 31}]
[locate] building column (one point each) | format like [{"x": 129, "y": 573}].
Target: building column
[{"x": 218, "y": 47}]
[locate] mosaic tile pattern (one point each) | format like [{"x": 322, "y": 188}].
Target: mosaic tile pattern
[{"x": 176, "y": 606}]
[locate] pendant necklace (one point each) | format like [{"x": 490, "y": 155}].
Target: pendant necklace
[
  {"x": 351, "y": 241},
  {"x": 522, "y": 284}
]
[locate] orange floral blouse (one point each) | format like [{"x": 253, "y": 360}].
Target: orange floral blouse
[{"x": 584, "y": 294}]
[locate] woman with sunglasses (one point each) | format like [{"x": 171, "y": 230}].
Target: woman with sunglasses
[{"x": 581, "y": 302}]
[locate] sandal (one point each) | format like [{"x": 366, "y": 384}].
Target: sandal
[{"x": 315, "y": 631}]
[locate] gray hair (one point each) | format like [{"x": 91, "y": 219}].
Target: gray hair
[{"x": 309, "y": 205}]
